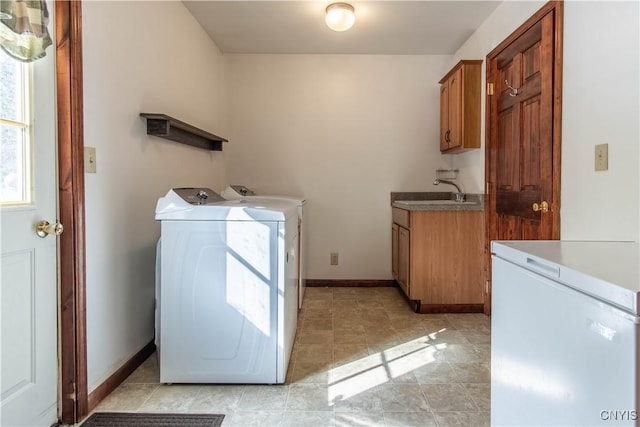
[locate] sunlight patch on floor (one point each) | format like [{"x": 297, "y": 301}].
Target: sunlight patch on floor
[{"x": 353, "y": 378}]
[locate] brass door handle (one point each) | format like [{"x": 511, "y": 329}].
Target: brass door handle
[
  {"x": 542, "y": 207},
  {"x": 43, "y": 228}
]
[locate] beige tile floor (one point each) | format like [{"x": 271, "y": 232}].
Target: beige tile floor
[{"x": 361, "y": 358}]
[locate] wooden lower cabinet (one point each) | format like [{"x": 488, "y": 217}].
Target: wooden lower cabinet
[
  {"x": 437, "y": 259},
  {"x": 404, "y": 253},
  {"x": 401, "y": 249},
  {"x": 394, "y": 250},
  {"x": 400, "y": 241}
]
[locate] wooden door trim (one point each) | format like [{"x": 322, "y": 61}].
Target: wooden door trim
[
  {"x": 557, "y": 8},
  {"x": 73, "y": 401}
]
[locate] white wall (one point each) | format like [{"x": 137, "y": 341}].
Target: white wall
[
  {"x": 343, "y": 131},
  {"x": 139, "y": 57},
  {"x": 601, "y": 88},
  {"x": 600, "y": 105}
]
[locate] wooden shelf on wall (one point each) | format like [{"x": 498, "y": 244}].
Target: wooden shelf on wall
[{"x": 167, "y": 127}]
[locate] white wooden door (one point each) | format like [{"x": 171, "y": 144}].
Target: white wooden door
[{"x": 28, "y": 268}]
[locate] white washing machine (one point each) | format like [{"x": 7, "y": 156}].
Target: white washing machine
[
  {"x": 228, "y": 290},
  {"x": 237, "y": 192}
]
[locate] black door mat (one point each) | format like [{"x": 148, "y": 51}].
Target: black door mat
[{"x": 132, "y": 419}]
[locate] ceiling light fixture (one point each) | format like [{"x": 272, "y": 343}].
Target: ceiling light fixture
[{"x": 340, "y": 16}]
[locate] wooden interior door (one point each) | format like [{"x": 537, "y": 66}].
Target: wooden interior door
[{"x": 523, "y": 133}]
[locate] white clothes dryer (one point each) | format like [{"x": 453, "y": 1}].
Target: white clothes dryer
[
  {"x": 240, "y": 192},
  {"x": 227, "y": 290}
]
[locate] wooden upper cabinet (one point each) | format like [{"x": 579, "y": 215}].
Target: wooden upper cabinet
[{"x": 460, "y": 108}]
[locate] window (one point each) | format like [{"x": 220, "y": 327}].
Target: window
[{"x": 15, "y": 132}]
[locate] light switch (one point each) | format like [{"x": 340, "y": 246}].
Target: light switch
[
  {"x": 89, "y": 160},
  {"x": 602, "y": 157}
]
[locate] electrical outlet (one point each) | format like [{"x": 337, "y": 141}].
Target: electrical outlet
[
  {"x": 89, "y": 160},
  {"x": 602, "y": 157},
  {"x": 334, "y": 258}
]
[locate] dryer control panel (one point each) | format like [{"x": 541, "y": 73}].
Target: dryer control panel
[{"x": 198, "y": 195}]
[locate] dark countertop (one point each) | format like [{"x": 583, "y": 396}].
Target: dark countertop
[{"x": 474, "y": 202}]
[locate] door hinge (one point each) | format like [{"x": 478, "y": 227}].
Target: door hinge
[
  {"x": 486, "y": 287},
  {"x": 489, "y": 88},
  {"x": 488, "y": 188}
]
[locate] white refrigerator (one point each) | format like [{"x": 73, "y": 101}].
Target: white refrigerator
[{"x": 565, "y": 334}]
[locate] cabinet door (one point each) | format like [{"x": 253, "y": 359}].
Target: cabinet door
[
  {"x": 444, "y": 117},
  {"x": 460, "y": 107},
  {"x": 455, "y": 109},
  {"x": 447, "y": 259},
  {"x": 394, "y": 251},
  {"x": 404, "y": 259}
]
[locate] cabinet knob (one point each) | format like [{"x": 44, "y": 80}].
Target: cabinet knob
[{"x": 542, "y": 207}]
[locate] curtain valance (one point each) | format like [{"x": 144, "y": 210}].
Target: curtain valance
[{"x": 23, "y": 29}]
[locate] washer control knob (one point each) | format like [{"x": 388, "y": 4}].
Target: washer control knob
[{"x": 202, "y": 196}]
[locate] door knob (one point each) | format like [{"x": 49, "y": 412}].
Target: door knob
[
  {"x": 542, "y": 207},
  {"x": 43, "y": 229}
]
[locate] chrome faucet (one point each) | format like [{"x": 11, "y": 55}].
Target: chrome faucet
[{"x": 460, "y": 196}]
